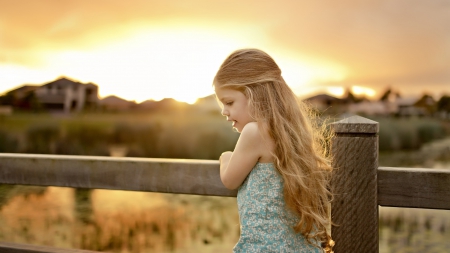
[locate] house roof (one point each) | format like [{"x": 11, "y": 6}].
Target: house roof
[
  {"x": 24, "y": 88},
  {"x": 62, "y": 82}
]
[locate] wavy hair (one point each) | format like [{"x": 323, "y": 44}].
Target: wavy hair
[{"x": 301, "y": 155}]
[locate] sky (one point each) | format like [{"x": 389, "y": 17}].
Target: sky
[{"x": 154, "y": 49}]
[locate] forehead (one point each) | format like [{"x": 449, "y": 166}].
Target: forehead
[{"x": 223, "y": 93}]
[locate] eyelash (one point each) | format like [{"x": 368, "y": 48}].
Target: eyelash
[{"x": 228, "y": 103}]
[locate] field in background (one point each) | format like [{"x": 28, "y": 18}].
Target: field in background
[
  {"x": 168, "y": 135},
  {"x": 164, "y": 135},
  {"x": 118, "y": 221}
]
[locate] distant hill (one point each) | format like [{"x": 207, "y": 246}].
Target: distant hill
[
  {"x": 163, "y": 105},
  {"x": 116, "y": 103}
]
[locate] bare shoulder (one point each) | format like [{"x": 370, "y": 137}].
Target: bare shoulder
[
  {"x": 260, "y": 141},
  {"x": 251, "y": 130}
]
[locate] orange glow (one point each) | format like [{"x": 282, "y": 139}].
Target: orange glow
[
  {"x": 170, "y": 62},
  {"x": 363, "y": 91},
  {"x": 336, "y": 91},
  {"x": 156, "y": 49}
]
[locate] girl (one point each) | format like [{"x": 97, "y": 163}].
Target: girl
[{"x": 278, "y": 164}]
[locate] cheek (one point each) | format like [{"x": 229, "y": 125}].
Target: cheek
[{"x": 246, "y": 110}]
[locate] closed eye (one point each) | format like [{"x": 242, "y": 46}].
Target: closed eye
[{"x": 229, "y": 103}]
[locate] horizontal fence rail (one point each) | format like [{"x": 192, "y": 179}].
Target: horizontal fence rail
[
  {"x": 397, "y": 187},
  {"x": 414, "y": 187},
  {"x": 199, "y": 177}
]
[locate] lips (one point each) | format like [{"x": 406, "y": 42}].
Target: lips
[{"x": 233, "y": 122}]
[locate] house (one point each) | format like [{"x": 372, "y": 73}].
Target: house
[
  {"x": 368, "y": 107},
  {"x": 406, "y": 107},
  {"x": 60, "y": 95},
  {"x": 67, "y": 95},
  {"x": 23, "y": 91}
]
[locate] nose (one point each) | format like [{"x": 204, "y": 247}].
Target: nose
[{"x": 225, "y": 112}]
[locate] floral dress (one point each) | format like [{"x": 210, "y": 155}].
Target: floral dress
[{"x": 266, "y": 225}]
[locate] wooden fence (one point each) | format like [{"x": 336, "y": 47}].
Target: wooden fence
[{"x": 358, "y": 184}]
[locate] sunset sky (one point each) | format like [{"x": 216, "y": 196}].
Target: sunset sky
[{"x": 151, "y": 49}]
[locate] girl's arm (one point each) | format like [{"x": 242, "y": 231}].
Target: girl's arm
[{"x": 235, "y": 166}]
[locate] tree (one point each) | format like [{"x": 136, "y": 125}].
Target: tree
[
  {"x": 8, "y": 99},
  {"x": 350, "y": 98},
  {"x": 386, "y": 94},
  {"x": 428, "y": 103},
  {"x": 444, "y": 104}
]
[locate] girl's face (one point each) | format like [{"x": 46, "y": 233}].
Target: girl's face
[{"x": 234, "y": 106}]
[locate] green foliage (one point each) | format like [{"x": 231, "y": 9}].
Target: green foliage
[
  {"x": 8, "y": 142},
  {"x": 84, "y": 139},
  {"x": 408, "y": 134},
  {"x": 41, "y": 139},
  {"x": 168, "y": 135},
  {"x": 444, "y": 104}
]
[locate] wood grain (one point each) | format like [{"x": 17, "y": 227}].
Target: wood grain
[
  {"x": 354, "y": 209},
  {"x": 133, "y": 174},
  {"x": 414, "y": 187}
]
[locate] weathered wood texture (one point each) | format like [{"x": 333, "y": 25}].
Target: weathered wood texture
[
  {"x": 354, "y": 210},
  {"x": 7, "y": 247},
  {"x": 420, "y": 188},
  {"x": 133, "y": 174}
]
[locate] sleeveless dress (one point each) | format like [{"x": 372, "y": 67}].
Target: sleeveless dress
[{"x": 266, "y": 226}]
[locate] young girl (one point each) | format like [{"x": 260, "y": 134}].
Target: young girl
[{"x": 278, "y": 164}]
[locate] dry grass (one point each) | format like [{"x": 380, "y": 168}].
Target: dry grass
[
  {"x": 407, "y": 230},
  {"x": 152, "y": 223}
]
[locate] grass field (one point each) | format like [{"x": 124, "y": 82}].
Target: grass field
[{"x": 118, "y": 221}]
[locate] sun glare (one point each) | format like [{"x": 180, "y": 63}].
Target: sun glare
[
  {"x": 336, "y": 91},
  {"x": 153, "y": 65},
  {"x": 168, "y": 62},
  {"x": 21, "y": 75},
  {"x": 360, "y": 90}
]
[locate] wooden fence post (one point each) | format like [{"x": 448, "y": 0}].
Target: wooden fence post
[{"x": 354, "y": 210}]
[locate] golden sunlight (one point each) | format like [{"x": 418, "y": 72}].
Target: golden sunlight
[
  {"x": 154, "y": 65},
  {"x": 360, "y": 90},
  {"x": 336, "y": 91},
  {"x": 170, "y": 62}
]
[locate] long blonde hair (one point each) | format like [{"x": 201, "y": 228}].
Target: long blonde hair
[{"x": 301, "y": 157}]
